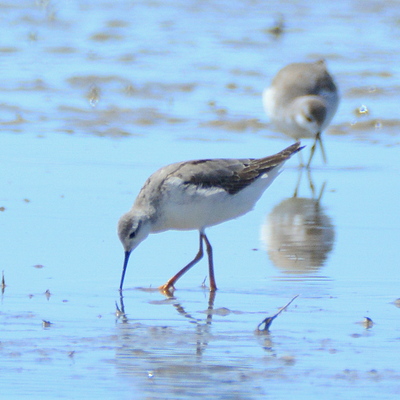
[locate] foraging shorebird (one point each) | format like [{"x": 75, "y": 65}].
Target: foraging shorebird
[
  {"x": 194, "y": 195},
  {"x": 302, "y": 101}
]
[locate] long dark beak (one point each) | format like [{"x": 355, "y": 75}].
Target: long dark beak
[{"x": 127, "y": 254}]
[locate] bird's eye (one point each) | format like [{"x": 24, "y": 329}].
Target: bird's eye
[
  {"x": 309, "y": 119},
  {"x": 135, "y": 229}
]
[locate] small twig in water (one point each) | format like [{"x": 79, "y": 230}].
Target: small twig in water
[{"x": 268, "y": 321}]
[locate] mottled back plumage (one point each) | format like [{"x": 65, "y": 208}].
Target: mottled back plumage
[{"x": 238, "y": 174}]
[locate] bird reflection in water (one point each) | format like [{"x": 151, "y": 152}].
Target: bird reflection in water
[
  {"x": 202, "y": 325},
  {"x": 298, "y": 235}
]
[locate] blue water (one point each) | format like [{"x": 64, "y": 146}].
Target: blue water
[{"x": 97, "y": 96}]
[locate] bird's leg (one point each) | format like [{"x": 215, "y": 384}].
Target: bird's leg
[
  {"x": 312, "y": 151},
  {"x": 322, "y": 148},
  {"x": 210, "y": 307},
  {"x": 319, "y": 140},
  {"x": 213, "y": 285},
  {"x": 166, "y": 288}
]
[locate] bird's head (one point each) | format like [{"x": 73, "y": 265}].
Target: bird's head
[
  {"x": 133, "y": 228},
  {"x": 311, "y": 115}
]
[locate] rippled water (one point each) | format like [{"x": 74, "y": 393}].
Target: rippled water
[{"x": 95, "y": 96}]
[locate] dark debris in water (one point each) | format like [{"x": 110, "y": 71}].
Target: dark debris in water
[
  {"x": 104, "y": 37},
  {"x": 368, "y": 323},
  {"x": 46, "y": 324},
  {"x": 268, "y": 321},
  {"x": 397, "y": 303},
  {"x": 277, "y": 28},
  {"x": 3, "y": 282}
]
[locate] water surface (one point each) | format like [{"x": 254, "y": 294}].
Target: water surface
[{"x": 94, "y": 98}]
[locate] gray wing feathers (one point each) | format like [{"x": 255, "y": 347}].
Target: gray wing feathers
[{"x": 232, "y": 175}]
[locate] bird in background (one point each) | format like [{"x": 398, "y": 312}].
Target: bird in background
[
  {"x": 195, "y": 195},
  {"x": 301, "y": 101}
]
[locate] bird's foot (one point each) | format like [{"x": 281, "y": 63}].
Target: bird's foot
[{"x": 167, "y": 289}]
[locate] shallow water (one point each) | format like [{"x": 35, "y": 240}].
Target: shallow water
[{"x": 94, "y": 97}]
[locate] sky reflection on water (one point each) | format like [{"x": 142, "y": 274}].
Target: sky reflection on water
[{"x": 97, "y": 96}]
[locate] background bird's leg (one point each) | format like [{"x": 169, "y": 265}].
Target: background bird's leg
[
  {"x": 312, "y": 151},
  {"x": 322, "y": 148},
  {"x": 213, "y": 285},
  {"x": 171, "y": 282},
  {"x": 319, "y": 140}
]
